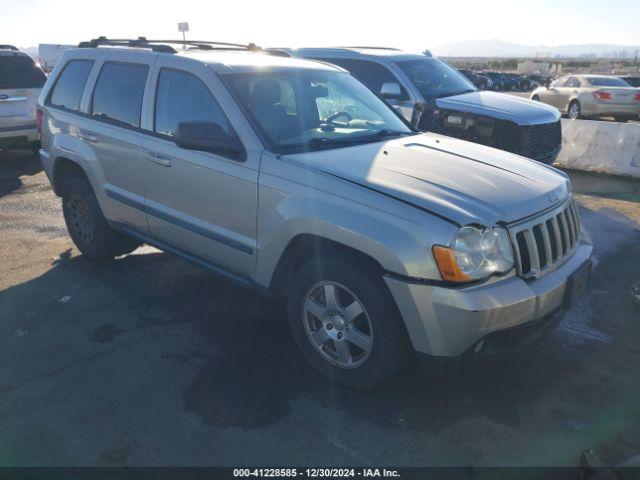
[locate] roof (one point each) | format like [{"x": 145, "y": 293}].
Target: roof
[
  {"x": 232, "y": 61},
  {"x": 390, "y": 53},
  {"x": 12, "y": 53},
  {"x": 220, "y": 60}
]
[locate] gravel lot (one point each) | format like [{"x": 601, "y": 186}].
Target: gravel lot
[{"x": 148, "y": 360}]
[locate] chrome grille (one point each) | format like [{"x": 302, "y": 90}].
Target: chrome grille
[{"x": 543, "y": 242}]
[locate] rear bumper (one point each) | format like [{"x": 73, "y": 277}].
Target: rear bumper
[
  {"x": 47, "y": 164},
  {"x": 447, "y": 322},
  {"x": 18, "y": 134},
  {"x": 609, "y": 110}
]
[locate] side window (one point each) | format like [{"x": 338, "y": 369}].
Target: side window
[
  {"x": 573, "y": 82},
  {"x": 183, "y": 97},
  {"x": 118, "y": 92},
  {"x": 372, "y": 74},
  {"x": 69, "y": 86},
  {"x": 559, "y": 82}
]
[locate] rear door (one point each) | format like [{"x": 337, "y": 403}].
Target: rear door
[
  {"x": 20, "y": 83},
  {"x": 112, "y": 131}
]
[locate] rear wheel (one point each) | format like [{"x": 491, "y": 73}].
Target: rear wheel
[
  {"x": 345, "y": 323},
  {"x": 574, "y": 110},
  {"x": 86, "y": 224}
]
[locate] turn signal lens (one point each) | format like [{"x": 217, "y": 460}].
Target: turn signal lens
[
  {"x": 637, "y": 97},
  {"x": 446, "y": 261}
]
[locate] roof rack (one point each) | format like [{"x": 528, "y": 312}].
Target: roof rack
[
  {"x": 164, "y": 46},
  {"x": 8, "y": 47}
]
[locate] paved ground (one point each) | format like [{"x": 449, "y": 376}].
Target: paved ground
[{"x": 148, "y": 360}]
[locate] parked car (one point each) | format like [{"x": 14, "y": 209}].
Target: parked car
[
  {"x": 434, "y": 96},
  {"x": 292, "y": 178},
  {"x": 585, "y": 96},
  {"x": 20, "y": 83},
  {"x": 480, "y": 81},
  {"x": 497, "y": 79}
]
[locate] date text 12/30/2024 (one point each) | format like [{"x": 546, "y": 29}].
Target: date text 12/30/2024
[{"x": 315, "y": 473}]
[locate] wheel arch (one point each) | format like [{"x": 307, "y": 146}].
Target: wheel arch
[
  {"x": 305, "y": 247},
  {"x": 64, "y": 168}
]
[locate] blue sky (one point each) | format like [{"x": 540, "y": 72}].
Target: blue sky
[{"x": 404, "y": 24}]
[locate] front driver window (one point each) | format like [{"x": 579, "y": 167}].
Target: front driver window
[{"x": 183, "y": 97}]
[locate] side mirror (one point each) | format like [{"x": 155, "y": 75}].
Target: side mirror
[
  {"x": 547, "y": 84},
  {"x": 390, "y": 90},
  {"x": 207, "y": 137}
]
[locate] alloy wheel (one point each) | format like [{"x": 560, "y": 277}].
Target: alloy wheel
[
  {"x": 574, "y": 110},
  {"x": 337, "y": 324}
]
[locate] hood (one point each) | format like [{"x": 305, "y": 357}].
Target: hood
[
  {"x": 461, "y": 181},
  {"x": 501, "y": 106}
]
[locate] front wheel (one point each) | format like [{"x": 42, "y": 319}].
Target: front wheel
[{"x": 345, "y": 323}]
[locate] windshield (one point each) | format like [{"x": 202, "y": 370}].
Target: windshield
[
  {"x": 312, "y": 109},
  {"x": 19, "y": 71},
  {"x": 434, "y": 78},
  {"x": 607, "y": 82}
]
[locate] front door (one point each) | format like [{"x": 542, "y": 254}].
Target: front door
[{"x": 203, "y": 204}]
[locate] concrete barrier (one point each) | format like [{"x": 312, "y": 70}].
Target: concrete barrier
[{"x": 605, "y": 147}]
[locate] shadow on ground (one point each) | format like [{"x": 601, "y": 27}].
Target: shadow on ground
[
  {"x": 576, "y": 389},
  {"x": 13, "y": 165}
]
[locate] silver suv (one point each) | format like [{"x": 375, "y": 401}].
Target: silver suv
[
  {"x": 291, "y": 178},
  {"x": 20, "y": 83}
]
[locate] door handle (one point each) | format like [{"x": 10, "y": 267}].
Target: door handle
[
  {"x": 159, "y": 158},
  {"x": 88, "y": 136}
]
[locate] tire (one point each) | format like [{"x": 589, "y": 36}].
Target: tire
[
  {"x": 574, "y": 111},
  {"x": 372, "y": 362},
  {"x": 86, "y": 223},
  {"x": 35, "y": 149}
]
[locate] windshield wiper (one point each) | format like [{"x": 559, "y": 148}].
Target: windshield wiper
[
  {"x": 317, "y": 142},
  {"x": 322, "y": 142},
  {"x": 387, "y": 132}
]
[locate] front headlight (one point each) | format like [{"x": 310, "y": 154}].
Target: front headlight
[{"x": 475, "y": 254}]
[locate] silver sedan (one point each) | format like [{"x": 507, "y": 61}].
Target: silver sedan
[{"x": 584, "y": 96}]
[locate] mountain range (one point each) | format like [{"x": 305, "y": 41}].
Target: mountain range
[{"x": 499, "y": 48}]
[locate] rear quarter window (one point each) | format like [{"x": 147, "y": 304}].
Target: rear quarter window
[
  {"x": 20, "y": 71},
  {"x": 607, "y": 82},
  {"x": 69, "y": 86},
  {"x": 118, "y": 93}
]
